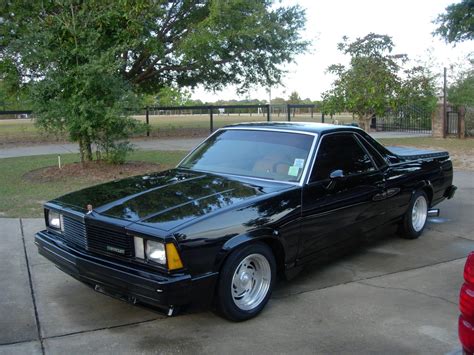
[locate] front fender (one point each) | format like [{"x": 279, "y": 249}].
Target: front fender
[{"x": 243, "y": 239}]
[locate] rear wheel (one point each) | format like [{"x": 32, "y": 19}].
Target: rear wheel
[
  {"x": 414, "y": 221},
  {"x": 246, "y": 282}
]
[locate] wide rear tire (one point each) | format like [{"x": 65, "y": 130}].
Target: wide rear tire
[{"x": 414, "y": 221}]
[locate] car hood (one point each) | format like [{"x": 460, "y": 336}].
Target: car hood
[{"x": 168, "y": 199}]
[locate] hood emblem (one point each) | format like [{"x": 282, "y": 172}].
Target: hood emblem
[{"x": 89, "y": 209}]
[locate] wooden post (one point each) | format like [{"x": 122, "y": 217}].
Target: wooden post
[
  {"x": 288, "y": 109},
  {"x": 445, "y": 111},
  {"x": 268, "y": 113},
  {"x": 211, "y": 118},
  {"x": 461, "y": 122}
]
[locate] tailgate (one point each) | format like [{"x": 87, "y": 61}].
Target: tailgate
[{"x": 410, "y": 153}]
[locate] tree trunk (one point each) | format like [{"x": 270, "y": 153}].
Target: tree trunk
[
  {"x": 85, "y": 149},
  {"x": 88, "y": 146},
  {"x": 364, "y": 122},
  {"x": 81, "y": 150}
]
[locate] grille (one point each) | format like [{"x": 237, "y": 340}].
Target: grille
[
  {"x": 75, "y": 232},
  {"x": 109, "y": 241}
]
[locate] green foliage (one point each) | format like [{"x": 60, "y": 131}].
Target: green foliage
[
  {"x": 117, "y": 152},
  {"x": 86, "y": 60},
  {"x": 461, "y": 92},
  {"x": 372, "y": 83},
  {"x": 294, "y": 98},
  {"x": 457, "y": 23},
  {"x": 171, "y": 96},
  {"x": 278, "y": 101},
  {"x": 418, "y": 89}
]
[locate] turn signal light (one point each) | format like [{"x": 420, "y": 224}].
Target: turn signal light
[{"x": 174, "y": 261}]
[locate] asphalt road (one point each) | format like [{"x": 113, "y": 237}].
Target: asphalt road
[{"x": 390, "y": 296}]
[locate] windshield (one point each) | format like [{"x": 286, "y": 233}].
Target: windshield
[{"x": 256, "y": 153}]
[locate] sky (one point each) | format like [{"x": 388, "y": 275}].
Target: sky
[{"x": 408, "y": 22}]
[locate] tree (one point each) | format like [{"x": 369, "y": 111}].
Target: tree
[
  {"x": 171, "y": 96},
  {"x": 457, "y": 23},
  {"x": 86, "y": 61},
  {"x": 294, "y": 98},
  {"x": 278, "y": 101},
  {"x": 372, "y": 83},
  {"x": 461, "y": 92}
]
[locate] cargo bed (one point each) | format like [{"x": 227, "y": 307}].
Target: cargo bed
[{"x": 409, "y": 153}]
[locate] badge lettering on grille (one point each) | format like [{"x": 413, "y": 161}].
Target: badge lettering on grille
[{"x": 115, "y": 250}]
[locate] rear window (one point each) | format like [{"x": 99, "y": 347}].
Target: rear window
[{"x": 256, "y": 153}]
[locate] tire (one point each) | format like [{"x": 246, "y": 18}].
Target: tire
[
  {"x": 246, "y": 282},
  {"x": 415, "y": 218}
]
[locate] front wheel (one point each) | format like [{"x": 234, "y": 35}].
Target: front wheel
[
  {"x": 246, "y": 282},
  {"x": 415, "y": 218}
]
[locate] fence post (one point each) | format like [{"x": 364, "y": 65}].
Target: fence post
[
  {"x": 147, "y": 117},
  {"x": 461, "y": 122},
  {"x": 268, "y": 113},
  {"x": 211, "y": 117},
  {"x": 322, "y": 117},
  {"x": 312, "y": 112},
  {"x": 288, "y": 112}
]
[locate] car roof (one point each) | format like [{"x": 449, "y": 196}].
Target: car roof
[{"x": 311, "y": 127}]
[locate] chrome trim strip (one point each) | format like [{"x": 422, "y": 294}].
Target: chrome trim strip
[
  {"x": 195, "y": 148},
  {"x": 302, "y": 179},
  {"x": 267, "y": 129}
]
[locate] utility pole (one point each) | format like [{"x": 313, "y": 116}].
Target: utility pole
[
  {"x": 269, "y": 103},
  {"x": 444, "y": 104}
]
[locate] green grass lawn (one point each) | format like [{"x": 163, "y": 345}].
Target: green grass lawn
[
  {"x": 24, "y": 132},
  {"x": 20, "y": 197}
]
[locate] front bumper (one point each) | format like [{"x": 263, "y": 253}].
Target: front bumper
[{"x": 126, "y": 282}]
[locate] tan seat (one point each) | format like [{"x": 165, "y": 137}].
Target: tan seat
[{"x": 271, "y": 164}]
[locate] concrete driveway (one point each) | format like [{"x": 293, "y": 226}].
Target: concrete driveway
[{"x": 390, "y": 296}]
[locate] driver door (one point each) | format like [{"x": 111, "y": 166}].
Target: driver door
[{"x": 337, "y": 209}]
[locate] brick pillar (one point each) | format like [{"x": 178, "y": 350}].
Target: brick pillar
[{"x": 437, "y": 122}]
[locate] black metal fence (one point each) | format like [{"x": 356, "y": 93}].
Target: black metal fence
[
  {"x": 16, "y": 114},
  {"x": 452, "y": 123},
  {"x": 406, "y": 119},
  {"x": 265, "y": 111}
]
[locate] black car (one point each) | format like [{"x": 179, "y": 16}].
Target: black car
[{"x": 250, "y": 202}]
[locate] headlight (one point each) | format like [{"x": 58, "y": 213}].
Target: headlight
[
  {"x": 55, "y": 220},
  {"x": 155, "y": 251}
]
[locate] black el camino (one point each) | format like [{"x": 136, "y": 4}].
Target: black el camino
[{"x": 250, "y": 202}]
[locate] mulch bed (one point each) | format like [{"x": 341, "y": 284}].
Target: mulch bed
[{"x": 92, "y": 171}]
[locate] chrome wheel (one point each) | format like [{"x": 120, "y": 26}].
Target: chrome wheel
[
  {"x": 419, "y": 213},
  {"x": 251, "y": 282}
]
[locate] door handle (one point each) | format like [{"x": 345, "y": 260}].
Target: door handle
[{"x": 380, "y": 196}]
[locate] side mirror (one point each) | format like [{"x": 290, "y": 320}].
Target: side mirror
[{"x": 337, "y": 175}]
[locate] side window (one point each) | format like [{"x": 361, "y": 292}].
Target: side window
[
  {"x": 340, "y": 152},
  {"x": 379, "y": 160}
]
